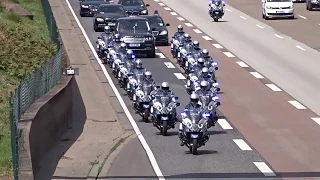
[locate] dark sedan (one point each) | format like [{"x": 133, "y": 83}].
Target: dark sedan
[
  {"x": 107, "y": 15},
  {"x": 159, "y": 29},
  {"x": 135, "y": 7},
  {"x": 89, "y": 7}
]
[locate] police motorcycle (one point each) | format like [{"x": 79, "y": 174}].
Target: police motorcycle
[
  {"x": 135, "y": 79},
  {"x": 177, "y": 41},
  {"x": 195, "y": 125},
  {"x": 183, "y": 55},
  {"x": 216, "y": 9},
  {"x": 193, "y": 83},
  {"x": 113, "y": 51},
  {"x": 119, "y": 59},
  {"x": 126, "y": 70},
  {"x": 102, "y": 48}
]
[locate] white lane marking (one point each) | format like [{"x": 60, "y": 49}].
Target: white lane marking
[
  {"x": 156, "y": 0},
  {"x": 242, "y": 145},
  {"x": 218, "y": 46},
  {"x": 169, "y": 65},
  {"x": 256, "y": 75},
  {"x": 188, "y": 24},
  {"x": 155, "y": 47},
  {"x": 173, "y": 13},
  {"x": 317, "y": 120},
  {"x": 161, "y": 4},
  {"x": 297, "y": 105},
  {"x": 229, "y": 10},
  {"x": 259, "y": 26},
  {"x": 180, "y": 18},
  {"x": 243, "y": 17},
  {"x": 302, "y": 17},
  {"x": 229, "y": 54},
  {"x": 197, "y": 31},
  {"x": 242, "y": 64},
  {"x": 224, "y": 124},
  {"x": 273, "y": 87},
  {"x": 168, "y": 9},
  {"x": 134, "y": 125},
  {"x": 278, "y": 36},
  {"x": 160, "y": 55},
  {"x": 206, "y": 38},
  {"x": 185, "y": 86},
  {"x": 264, "y": 168},
  {"x": 301, "y": 48},
  {"x": 179, "y": 75}
]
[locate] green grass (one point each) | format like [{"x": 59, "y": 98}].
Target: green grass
[{"x": 25, "y": 45}]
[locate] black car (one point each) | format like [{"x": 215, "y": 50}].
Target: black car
[
  {"x": 159, "y": 29},
  {"x": 107, "y": 15},
  {"x": 312, "y": 4},
  {"x": 135, "y": 7},
  {"x": 90, "y": 7},
  {"x": 137, "y": 34}
]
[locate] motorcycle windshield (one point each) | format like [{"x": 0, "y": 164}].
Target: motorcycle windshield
[
  {"x": 117, "y": 48},
  {"x": 147, "y": 89},
  {"x": 205, "y": 100},
  {"x": 188, "y": 48},
  {"x": 194, "y": 116},
  {"x": 139, "y": 77},
  {"x": 181, "y": 39},
  {"x": 129, "y": 66},
  {"x": 165, "y": 100},
  {"x": 196, "y": 56}
]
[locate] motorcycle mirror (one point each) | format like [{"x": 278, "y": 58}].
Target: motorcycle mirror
[
  {"x": 180, "y": 45},
  {"x": 171, "y": 41},
  {"x": 157, "y": 87},
  {"x": 218, "y": 103},
  {"x": 147, "y": 5},
  {"x": 178, "y": 104},
  {"x": 176, "y": 98},
  {"x": 96, "y": 42},
  {"x": 167, "y": 24},
  {"x": 218, "y": 89},
  {"x": 216, "y": 68},
  {"x": 99, "y": 37},
  {"x": 224, "y": 4}
]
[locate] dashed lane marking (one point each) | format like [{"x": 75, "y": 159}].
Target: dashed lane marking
[
  {"x": 169, "y": 65},
  {"x": 224, "y": 124},
  {"x": 242, "y": 145},
  {"x": 278, "y": 36},
  {"x": 207, "y": 38},
  {"x": 297, "y": 105},
  {"x": 197, "y": 31},
  {"x": 301, "y": 48},
  {"x": 218, "y": 46},
  {"x": 173, "y": 13},
  {"x": 273, "y": 87},
  {"x": 179, "y": 75},
  {"x": 256, "y": 75},
  {"x": 259, "y": 26},
  {"x": 302, "y": 17},
  {"x": 161, "y": 4},
  {"x": 168, "y": 9},
  {"x": 156, "y": 0},
  {"x": 243, "y": 17},
  {"x": 264, "y": 168},
  {"x": 229, "y": 10},
  {"x": 188, "y": 24},
  {"x": 242, "y": 64},
  {"x": 156, "y": 48},
  {"x": 160, "y": 55},
  {"x": 180, "y": 19},
  {"x": 229, "y": 54},
  {"x": 317, "y": 120}
]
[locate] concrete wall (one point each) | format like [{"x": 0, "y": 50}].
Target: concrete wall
[{"x": 43, "y": 124}]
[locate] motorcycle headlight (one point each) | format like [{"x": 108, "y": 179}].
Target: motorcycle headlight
[
  {"x": 164, "y": 32},
  {"x": 148, "y": 38},
  {"x": 268, "y": 7},
  {"x": 99, "y": 19},
  {"x": 84, "y": 6},
  {"x": 144, "y": 12},
  {"x": 106, "y": 18}
]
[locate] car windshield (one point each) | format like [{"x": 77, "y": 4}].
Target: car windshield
[
  {"x": 155, "y": 22},
  {"x": 278, "y": 0},
  {"x": 111, "y": 9},
  {"x": 133, "y": 27},
  {"x": 131, "y": 2}
]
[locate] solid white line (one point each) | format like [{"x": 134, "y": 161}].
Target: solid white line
[
  {"x": 256, "y": 75},
  {"x": 301, "y": 48},
  {"x": 317, "y": 120},
  {"x": 169, "y": 65},
  {"x": 297, "y": 105},
  {"x": 229, "y": 54},
  {"x": 278, "y": 36},
  {"x": 273, "y": 87},
  {"x": 161, "y": 4},
  {"x": 264, "y": 168},
  {"x": 228, "y": 10},
  {"x": 188, "y": 24},
  {"x": 302, "y": 17},
  {"x": 243, "y": 17},
  {"x": 259, "y": 26},
  {"x": 160, "y": 55},
  {"x": 134, "y": 125},
  {"x": 242, "y": 64},
  {"x": 224, "y": 124},
  {"x": 242, "y": 145},
  {"x": 197, "y": 31},
  {"x": 179, "y": 75},
  {"x": 180, "y": 18},
  {"x": 173, "y": 13},
  {"x": 168, "y": 9},
  {"x": 206, "y": 38},
  {"x": 218, "y": 46}
]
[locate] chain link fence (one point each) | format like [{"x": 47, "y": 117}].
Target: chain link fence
[{"x": 33, "y": 87}]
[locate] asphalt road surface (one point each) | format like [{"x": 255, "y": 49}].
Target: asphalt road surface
[{"x": 281, "y": 131}]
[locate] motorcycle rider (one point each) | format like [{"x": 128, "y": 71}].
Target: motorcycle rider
[
  {"x": 205, "y": 75},
  {"x": 121, "y": 55},
  {"x": 208, "y": 60},
  {"x": 196, "y": 47},
  {"x": 128, "y": 63},
  {"x": 107, "y": 34},
  {"x": 216, "y": 3},
  {"x": 103, "y": 40},
  {"x": 116, "y": 41},
  {"x": 179, "y": 33},
  {"x": 147, "y": 81},
  {"x": 137, "y": 77},
  {"x": 178, "y": 36}
]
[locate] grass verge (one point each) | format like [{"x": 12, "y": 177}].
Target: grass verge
[{"x": 25, "y": 45}]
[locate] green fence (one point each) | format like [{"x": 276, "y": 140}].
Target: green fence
[{"x": 33, "y": 87}]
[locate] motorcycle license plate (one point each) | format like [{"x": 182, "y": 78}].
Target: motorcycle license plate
[
  {"x": 94, "y": 9},
  {"x": 134, "y": 45},
  {"x": 194, "y": 135},
  {"x": 146, "y": 105},
  {"x": 279, "y": 12},
  {"x": 111, "y": 24},
  {"x": 164, "y": 118}
]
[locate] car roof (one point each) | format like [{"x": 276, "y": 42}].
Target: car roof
[
  {"x": 133, "y": 18},
  {"x": 110, "y": 4}
]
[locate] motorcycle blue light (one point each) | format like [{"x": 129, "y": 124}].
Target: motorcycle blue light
[
  {"x": 133, "y": 56},
  {"x": 207, "y": 114},
  {"x": 217, "y": 97},
  {"x": 156, "y": 12}
]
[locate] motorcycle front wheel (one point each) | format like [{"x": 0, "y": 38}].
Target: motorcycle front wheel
[
  {"x": 194, "y": 147},
  {"x": 164, "y": 128},
  {"x": 145, "y": 116},
  {"x": 216, "y": 19}
]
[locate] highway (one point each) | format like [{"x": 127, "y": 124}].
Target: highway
[{"x": 258, "y": 64}]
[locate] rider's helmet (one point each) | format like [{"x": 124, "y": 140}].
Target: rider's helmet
[
  {"x": 117, "y": 38},
  {"x": 138, "y": 63},
  {"x": 217, "y": 2},
  {"x": 180, "y": 29},
  {"x": 187, "y": 37},
  {"x": 130, "y": 54},
  {"x": 205, "y": 71},
  {"x": 148, "y": 75},
  {"x": 200, "y": 62},
  {"x": 107, "y": 29},
  {"x": 204, "y": 85},
  {"x": 194, "y": 98},
  {"x": 196, "y": 45},
  {"x": 165, "y": 86},
  {"x": 205, "y": 53},
  {"x": 123, "y": 47}
]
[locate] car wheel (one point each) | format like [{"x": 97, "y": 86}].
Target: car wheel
[
  {"x": 292, "y": 17},
  {"x": 266, "y": 17},
  {"x": 263, "y": 17},
  {"x": 151, "y": 54},
  {"x": 310, "y": 8},
  {"x": 95, "y": 28},
  {"x": 307, "y": 7},
  {"x": 81, "y": 14}
]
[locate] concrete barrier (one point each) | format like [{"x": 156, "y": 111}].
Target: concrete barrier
[{"x": 43, "y": 124}]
